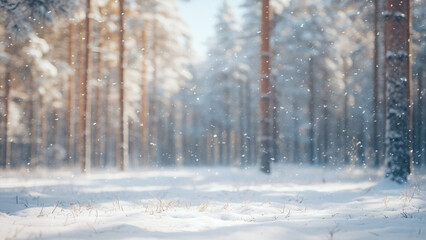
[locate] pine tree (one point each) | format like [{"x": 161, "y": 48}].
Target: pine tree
[
  {"x": 22, "y": 16},
  {"x": 84, "y": 124},
  {"x": 397, "y": 68},
  {"x": 224, "y": 70},
  {"x": 122, "y": 129},
  {"x": 5, "y": 101},
  {"x": 265, "y": 92},
  {"x": 144, "y": 99},
  {"x": 169, "y": 58},
  {"x": 419, "y": 86},
  {"x": 71, "y": 84},
  {"x": 375, "y": 135}
]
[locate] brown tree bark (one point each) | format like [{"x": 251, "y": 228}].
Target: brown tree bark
[
  {"x": 43, "y": 144},
  {"x": 99, "y": 139},
  {"x": 84, "y": 126},
  {"x": 70, "y": 115},
  {"x": 122, "y": 145},
  {"x": 375, "y": 136},
  {"x": 311, "y": 151},
  {"x": 5, "y": 118},
  {"x": 398, "y": 78},
  {"x": 144, "y": 101},
  {"x": 249, "y": 137},
  {"x": 32, "y": 123},
  {"x": 296, "y": 126},
  {"x": 265, "y": 92},
  {"x": 153, "y": 104},
  {"x": 108, "y": 124},
  {"x": 345, "y": 116}
]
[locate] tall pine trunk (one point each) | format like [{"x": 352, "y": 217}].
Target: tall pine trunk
[
  {"x": 153, "y": 105},
  {"x": 265, "y": 92},
  {"x": 44, "y": 123},
  {"x": 5, "y": 118},
  {"x": 122, "y": 144},
  {"x": 421, "y": 120},
  {"x": 296, "y": 126},
  {"x": 32, "y": 123},
  {"x": 398, "y": 77},
  {"x": 248, "y": 137},
  {"x": 84, "y": 126},
  {"x": 422, "y": 115},
  {"x": 144, "y": 102},
  {"x": 376, "y": 136},
  {"x": 325, "y": 120},
  {"x": 70, "y": 115},
  {"x": 227, "y": 141},
  {"x": 99, "y": 139},
  {"x": 275, "y": 127},
  {"x": 346, "y": 157},
  {"x": 108, "y": 124},
  {"x": 243, "y": 128},
  {"x": 311, "y": 147}
]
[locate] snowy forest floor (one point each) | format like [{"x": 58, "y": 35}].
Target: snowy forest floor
[{"x": 294, "y": 202}]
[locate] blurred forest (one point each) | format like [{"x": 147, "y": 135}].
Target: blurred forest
[{"x": 104, "y": 83}]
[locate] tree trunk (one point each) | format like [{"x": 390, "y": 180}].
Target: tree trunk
[
  {"x": 144, "y": 101},
  {"x": 248, "y": 137},
  {"x": 221, "y": 148},
  {"x": 311, "y": 150},
  {"x": 265, "y": 93},
  {"x": 211, "y": 144},
  {"x": 84, "y": 124},
  {"x": 345, "y": 116},
  {"x": 70, "y": 115},
  {"x": 99, "y": 139},
  {"x": 421, "y": 113},
  {"x": 153, "y": 126},
  {"x": 243, "y": 128},
  {"x": 5, "y": 119},
  {"x": 227, "y": 141},
  {"x": 275, "y": 127},
  {"x": 32, "y": 123},
  {"x": 229, "y": 144},
  {"x": 43, "y": 144},
  {"x": 171, "y": 143},
  {"x": 360, "y": 151},
  {"x": 108, "y": 125},
  {"x": 296, "y": 145},
  {"x": 375, "y": 136},
  {"x": 398, "y": 78},
  {"x": 325, "y": 120},
  {"x": 122, "y": 144}
]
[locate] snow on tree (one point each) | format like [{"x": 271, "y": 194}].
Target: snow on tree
[
  {"x": 397, "y": 69},
  {"x": 224, "y": 72},
  {"x": 169, "y": 56},
  {"x": 250, "y": 56},
  {"x": 419, "y": 92},
  {"x": 266, "y": 92},
  {"x": 21, "y": 16},
  {"x": 250, "y": 53},
  {"x": 311, "y": 48}
]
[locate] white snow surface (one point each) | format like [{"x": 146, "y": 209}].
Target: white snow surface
[{"x": 294, "y": 202}]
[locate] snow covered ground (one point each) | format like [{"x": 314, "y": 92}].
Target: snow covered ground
[{"x": 211, "y": 203}]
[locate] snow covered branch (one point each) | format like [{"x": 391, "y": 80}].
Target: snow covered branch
[{"x": 21, "y": 16}]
